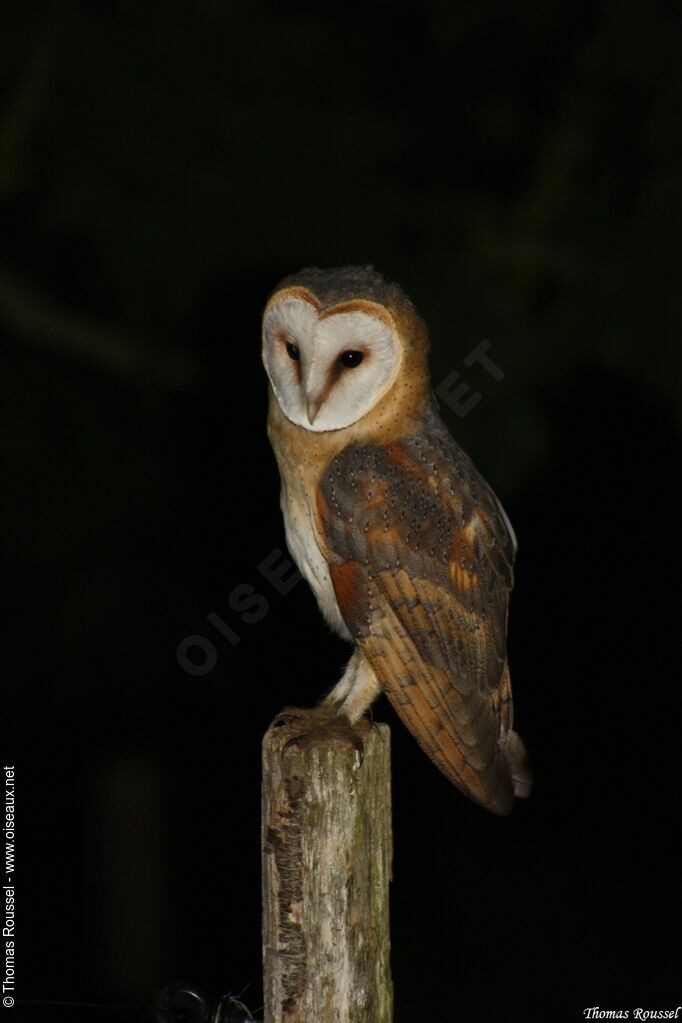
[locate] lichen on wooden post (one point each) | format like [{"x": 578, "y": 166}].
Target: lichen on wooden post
[{"x": 326, "y": 871}]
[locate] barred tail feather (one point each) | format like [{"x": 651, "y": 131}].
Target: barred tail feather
[{"x": 519, "y": 764}]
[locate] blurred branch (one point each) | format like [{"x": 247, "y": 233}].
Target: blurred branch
[
  {"x": 31, "y": 315},
  {"x": 24, "y": 106},
  {"x": 46, "y": 325}
]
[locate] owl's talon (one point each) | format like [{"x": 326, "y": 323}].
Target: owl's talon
[
  {"x": 290, "y": 716},
  {"x": 362, "y": 727},
  {"x": 298, "y": 740},
  {"x": 359, "y": 747}
]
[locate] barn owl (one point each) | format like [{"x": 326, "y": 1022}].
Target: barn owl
[{"x": 406, "y": 548}]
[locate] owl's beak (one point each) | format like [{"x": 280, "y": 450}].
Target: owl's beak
[
  {"x": 315, "y": 389},
  {"x": 313, "y": 406}
]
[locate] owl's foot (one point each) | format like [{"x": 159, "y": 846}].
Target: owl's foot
[
  {"x": 306, "y": 726},
  {"x": 299, "y": 717}
]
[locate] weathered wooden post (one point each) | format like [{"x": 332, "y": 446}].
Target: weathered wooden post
[{"x": 326, "y": 870}]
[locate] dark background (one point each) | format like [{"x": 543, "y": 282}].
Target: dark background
[{"x": 162, "y": 165}]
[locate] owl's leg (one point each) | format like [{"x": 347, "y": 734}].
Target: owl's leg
[
  {"x": 356, "y": 690},
  {"x": 340, "y": 691}
]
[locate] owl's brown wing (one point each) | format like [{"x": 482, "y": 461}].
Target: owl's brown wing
[{"x": 421, "y": 557}]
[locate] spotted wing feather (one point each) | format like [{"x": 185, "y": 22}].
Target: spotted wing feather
[{"x": 421, "y": 557}]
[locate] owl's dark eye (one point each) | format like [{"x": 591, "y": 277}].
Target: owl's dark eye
[
  {"x": 351, "y": 359},
  {"x": 293, "y": 352}
]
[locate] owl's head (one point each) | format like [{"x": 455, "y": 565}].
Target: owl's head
[{"x": 335, "y": 342}]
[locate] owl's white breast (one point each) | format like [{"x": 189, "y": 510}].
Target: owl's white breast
[{"x": 305, "y": 550}]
